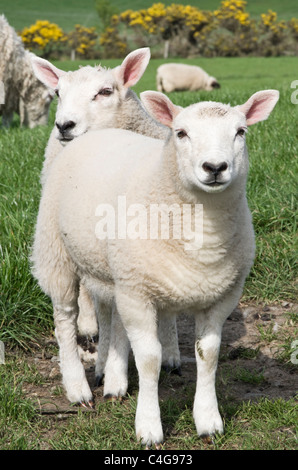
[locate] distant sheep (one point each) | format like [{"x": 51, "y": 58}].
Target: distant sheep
[
  {"x": 179, "y": 77},
  {"x": 23, "y": 92},
  {"x": 92, "y": 98},
  {"x": 204, "y": 162}
]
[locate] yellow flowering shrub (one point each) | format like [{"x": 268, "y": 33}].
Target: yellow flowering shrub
[
  {"x": 43, "y": 37},
  {"x": 277, "y": 36},
  {"x": 111, "y": 43},
  {"x": 232, "y": 14},
  {"x": 184, "y": 29},
  {"x": 83, "y": 41},
  {"x": 227, "y": 31}
]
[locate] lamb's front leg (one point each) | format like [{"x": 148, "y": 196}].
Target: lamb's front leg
[
  {"x": 139, "y": 319},
  {"x": 208, "y": 338}
]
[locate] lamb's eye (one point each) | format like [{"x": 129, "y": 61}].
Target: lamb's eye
[
  {"x": 241, "y": 131},
  {"x": 57, "y": 92},
  {"x": 181, "y": 133},
  {"x": 105, "y": 92}
]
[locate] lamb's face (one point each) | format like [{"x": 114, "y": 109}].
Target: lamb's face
[
  {"x": 87, "y": 100},
  {"x": 210, "y": 142}
]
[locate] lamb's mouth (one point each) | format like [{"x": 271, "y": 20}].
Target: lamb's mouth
[
  {"x": 64, "y": 139},
  {"x": 215, "y": 183},
  {"x": 214, "y": 186}
]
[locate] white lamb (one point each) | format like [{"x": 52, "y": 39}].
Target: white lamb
[
  {"x": 92, "y": 98},
  {"x": 23, "y": 92},
  {"x": 179, "y": 77},
  {"x": 203, "y": 162}
]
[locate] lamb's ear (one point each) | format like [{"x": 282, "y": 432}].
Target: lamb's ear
[
  {"x": 46, "y": 72},
  {"x": 259, "y": 106},
  {"x": 133, "y": 67},
  {"x": 160, "y": 107}
]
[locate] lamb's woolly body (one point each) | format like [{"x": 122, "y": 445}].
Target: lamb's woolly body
[
  {"x": 24, "y": 94},
  {"x": 178, "y": 77}
]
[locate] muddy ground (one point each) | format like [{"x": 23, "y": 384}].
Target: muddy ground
[{"x": 254, "y": 339}]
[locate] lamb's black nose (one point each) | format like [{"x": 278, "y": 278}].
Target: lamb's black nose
[
  {"x": 65, "y": 127},
  {"x": 214, "y": 169}
]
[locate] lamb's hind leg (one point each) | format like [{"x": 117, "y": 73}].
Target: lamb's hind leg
[
  {"x": 56, "y": 274},
  {"x": 167, "y": 333},
  {"x": 72, "y": 370}
]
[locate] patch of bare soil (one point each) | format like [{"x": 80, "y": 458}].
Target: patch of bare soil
[{"x": 252, "y": 346}]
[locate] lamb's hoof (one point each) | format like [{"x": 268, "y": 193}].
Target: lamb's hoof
[
  {"x": 172, "y": 370},
  {"x": 208, "y": 439},
  {"x": 87, "y": 405},
  {"x": 113, "y": 398},
  {"x": 158, "y": 446},
  {"x": 98, "y": 380}
]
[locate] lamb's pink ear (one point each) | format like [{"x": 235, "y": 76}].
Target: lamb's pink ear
[
  {"x": 46, "y": 72},
  {"x": 259, "y": 106},
  {"x": 133, "y": 66},
  {"x": 160, "y": 107}
]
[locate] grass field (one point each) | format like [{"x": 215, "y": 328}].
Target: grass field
[
  {"x": 22, "y": 13},
  {"x": 26, "y": 316}
]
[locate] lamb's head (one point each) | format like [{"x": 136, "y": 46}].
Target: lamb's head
[
  {"x": 212, "y": 83},
  {"x": 209, "y": 137},
  {"x": 90, "y": 97}
]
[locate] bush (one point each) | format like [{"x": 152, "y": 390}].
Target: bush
[
  {"x": 83, "y": 42},
  {"x": 44, "y": 38},
  {"x": 228, "y": 31},
  {"x": 182, "y": 29}
]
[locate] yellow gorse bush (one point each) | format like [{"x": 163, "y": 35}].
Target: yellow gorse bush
[
  {"x": 158, "y": 18},
  {"x": 227, "y": 31},
  {"x": 82, "y": 40},
  {"x": 43, "y": 36},
  {"x": 48, "y": 38}
]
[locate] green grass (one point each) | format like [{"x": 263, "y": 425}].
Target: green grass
[
  {"x": 26, "y": 314},
  {"x": 66, "y": 14}
]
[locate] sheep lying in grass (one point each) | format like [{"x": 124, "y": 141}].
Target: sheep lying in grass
[
  {"x": 93, "y": 98},
  {"x": 179, "y": 77},
  {"x": 203, "y": 162},
  {"x": 23, "y": 93}
]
